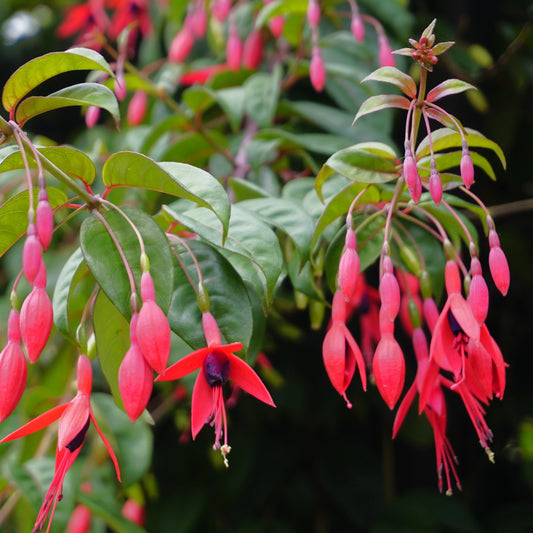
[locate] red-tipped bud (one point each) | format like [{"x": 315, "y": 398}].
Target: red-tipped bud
[
  {"x": 137, "y": 107},
  {"x": 317, "y": 72},
  {"x": 467, "y": 167},
  {"x": 499, "y": 268},
  {"x": 220, "y": 9},
  {"x": 44, "y": 219},
  {"x": 388, "y": 367},
  {"x": 452, "y": 277},
  {"x": 435, "y": 186},
  {"x": 31, "y": 254},
  {"x": 133, "y": 511},
  {"x": 385, "y": 55},
  {"x": 478, "y": 297},
  {"x": 253, "y": 50},
  {"x": 135, "y": 377},
  {"x": 91, "y": 116},
  {"x": 211, "y": 330},
  {"x": 276, "y": 25},
  {"x": 410, "y": 172},
  {"x": 234, "y": 48},
  {"x": 120, "y": 87},
  {"x": 84, "y": 375},
  {"x": 80, "y": 520},
  {"x": 313, "y": 13},
  {"x": 36, "y": 318},
  {"x": 349, "y": 266},
  {"x": 358, "y": 27},
  {"x": 181, "y": 45}
]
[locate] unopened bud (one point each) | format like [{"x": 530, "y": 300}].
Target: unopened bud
[
  {"x": 317, "y": 72},
  {"x": 181, "y": 45}
]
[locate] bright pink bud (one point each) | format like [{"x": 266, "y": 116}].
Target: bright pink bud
[
  {"x": 31, "y": 254},
  {"x": 338, "y": 308},
  {"x": 499, "y": 268},
  {"x": 385, "y": 55},
  {"x": 181, "y": 45},
  {"x": 420, "y": 345},
  {"x": 276, "y": 25},
  {"x": 211, "y": 330},
  {"x": 134, "y": 512},
  {"x": 36, "y": 318},
  {"x": 84, "y": 375},
  {"x": 135, "y": 377},
  {"x": 44, "y": 218},
  {"x": 358, "y": 28},
  {"x": 435, "y": 186},
  {"x": 388, "y": 367},
  {"x": 91, "y": 116},
  {"x": 410, "y": 172},
  {"x": 198, "y": 20},
  {"x": 120, "y": 87},
  {"x": 234, "y": 48},
  {"x": 478, "y": 298},
  {"x": 153, "y": 330},
  {"x": 389, "y": 290},
  {"x": 13, "y": 369},
  {"x": 452, "y": 277},
  {"x": 313, "y": 13},
  {"x": 431, "y": 313},
  {"x": 317, "y": 72},
  {"x": 80, "y": 520},
  {"x": 137, "y": 107},
  {"x": 467, "y": 167},
  {"x": 253, "y": 50},
  {"x": 349, "y": 266},
  {"x": 220, "y": 9}
]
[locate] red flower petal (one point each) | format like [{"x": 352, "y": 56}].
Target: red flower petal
[
  {"x": 107, "y": 445},
  {"x": 202, "y": 404},
  {"x": 243, "y": 375}
]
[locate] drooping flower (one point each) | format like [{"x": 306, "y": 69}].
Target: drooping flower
[
  {"x": 499, "y": 267},
  {"x": 181, "y": 45},
  {"x": 134, "y": 12},
  {"x": 317, "y": 71},
  {"x": 386, "y": 58},
  {"x": 137, "y": 107},
  {"x": 74, "y": 420},
  {"x": 349, "y": 265},
  {"x": 217, "y": 363},
  {"x": 80, "y": 520},
  {"x": 253, "y": 50},
  {"x": 44, "y": 219},
  {"x": 134, "y": 512},
  {"x": 234, "y": 48},
  {"x": 32, "y": 253}
]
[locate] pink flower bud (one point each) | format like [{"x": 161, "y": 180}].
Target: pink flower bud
[
  {"x": 135, "y": 377},
  {"x": 389, "y": 291},
  {"x": 467, "y": 167},
  {"x": 211, "y": 330},
  {"x": 385, "y": 55},
  {"x": 253, "y": 50},
  {"x": 388, "y": 367},
  {"x": 120, "y": 87},
  {"x": 313, "y": 13},
  {"x": 478, "y": 297},
  {"x": 44, "y": 218},
  {"x": 452, "y": 277},
  {"x": 358, "y": 28},
  {"x": 133, "y": 511},
  {"x": 198, "y": 20},
  {"x": 31, "y": 254},
  {"x": 153, "y": 330},
  {"x": 499, "y": 268},
  {"x": 410, "y": 172},
  {"x": 435, "y": 186},
  {"x": 431, "y": 313},
  {"x": 80, "y": 520},
  {"x": 91, "y": 116},
  {"x": 349, "y": 266},
  {"x": 137, "y": 107},
  {"x": 220, "y": 9},
  {"x": 276, "y": 25},
  {"x": 234, "y": 48},
  {"x": 317, "y": 72},
  {"x": 181, "y": 45}
]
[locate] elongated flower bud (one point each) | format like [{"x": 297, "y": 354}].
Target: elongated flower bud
[
  {"x": 467, "y": 167},
  {"x": 120, "y": 87},
  {"x": 349, "y": 266},
  {"x": 498, "y": 265},
  {"x": 389, "y": 290},
  {"x": 357, "y": 26},
  {"x": 317, "y": 72},
  {"x": 153, "y": 330},
  {"x": 276, "y": 25},
  {"x": 91, "y": 116},
  {"x": 44, "y": 219},
  {"x": 385, "y": 56},
  {"x": 31, "y": 254},
  {"x": 137, "y": 107},
  {"x": 234, "y": 48},
  {"x": 388, "y": 367},
  {"x": 313, "y": 13},
  {"x": 134, "y": 512},
  {"x": 253, "y": 50},
  {"x": 80, "y": 520},
  {"x": 435, "y": 186},
  {"x": 198, "y": 20},
  {"x": 220, "y": 9},
  {"x": 478, "y": 297},
  {"x": 181, "y": 45},
  {"x": 410, "y": 172}
]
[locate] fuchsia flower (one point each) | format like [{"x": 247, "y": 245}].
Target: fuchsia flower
[
  {"x": 349, "y": 266},
  {"x": 181, "y": 45},
  {"x": 74, "y": 420},
  {"x": 253, "y": 50},
  {"x": 317, "y": 71},
  {"x": 499, "y": 268},
  {"x": 44, "y": 219},
  {"x": 134, "y": 512},
  {"x": 137, "y": 107},
  {"x": 385, "y": 55},
  {"x": 217, "y": 364},
  {"x": 32, "y": 253},
  {"x": 234, "y": 48}
]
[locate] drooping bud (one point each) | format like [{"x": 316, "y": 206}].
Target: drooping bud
[
  {"x": 198, "y": 20},
  {"x": 120, "y": 86},
  {"x": 134, "y": 511},
  {"x": 211, "y": 330},
  {"x": 80, "y": 520},
  {"x": 31, "y": 254},
  {"x": 313, "y": 13},
  {"x": 388, "y": 367},
  {"x": 91, "y": 116},
  {"x": 498, "y": 265},
  {"x": 253, "y": 50},
  {"x": 349, "y": 266},
  {"x": 317, "y": 72},
  {"x": 452, "y": 277},
  {"x": 386, "y": 58},
  {"x": 435, "y": 186},
  {"x": 36, "y": 317},
  {"x": 478, "y": 297},
  {"x": 389, "y": 290},
  {"x": 181, "y": 45},
  {"x": 137, "y": 107},
  {"x": 135, "y": 377},
  {"x": 153, "y": 330},
  {"x": 234, "y": 48},
  {"x": 357, "y": 26},
  {"x": 276, "y": 25},
  {"x": 220, "y": 9},
  {"x": 410, "y": 173},
  {"x": 467, "y": 167},
  {"x": 44, "y": 219}
]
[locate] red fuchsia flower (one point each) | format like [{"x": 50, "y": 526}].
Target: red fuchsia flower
[
  {"x": 253, "y": 50},
  {"x": 181, "y": 45},
  {"x": 88, "y": 19},
  {"x": 385, "y": 55},
  {"x": 13, "y": 368},
  {"x": 74, "y": 420},
  {"x": 410, "y": 173},
  {"x": 137, "y": 107},
  {"x": 217, "y": 364},
  {"x": 340, "y": 352},
  {"x": 153, "y": 330},
  {"x": 317, "y": 72},
  {"x": 44, "y": 219},
  {"x": 135, "y": 377},
  {"x": 234, "y": 48},
  {"x": 32, "y": 253},
  {"x": 80, "y": 520},
  {"x": 135, "y": 12},
  {"x": 201, "y": 76},
  {"x": 466, "y": 166},
  {"x": 349, "y": 265},
  {"x": 499, "y": 268},
  {"x": 36, "y": 317},
  {"x": 134, "y": 512}
]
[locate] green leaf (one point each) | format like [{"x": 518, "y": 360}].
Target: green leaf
[
  {"x": 448, "y": 87},
  {"x": 447, "y": 160},
  {"x": 280, "y": 7},
  {"x": 396, "y": 77},
  {"x": 83, "y": 94},
  {"x": 69, "y": 160},
  {"x": 379, "y": 102},
  {"x": 105, "y": 262},
  {"x": 130, "y": 169},
  {"x": 42, "y": 68},
  {"x": 320, "y": 143},
  {"x": 195, "y": 148},
  {"x": 261, "y": 96},
  {"x": 228, "y": 297},
  {"x": 245, "y": 190},
  {"x": 14, "y": 215}
]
